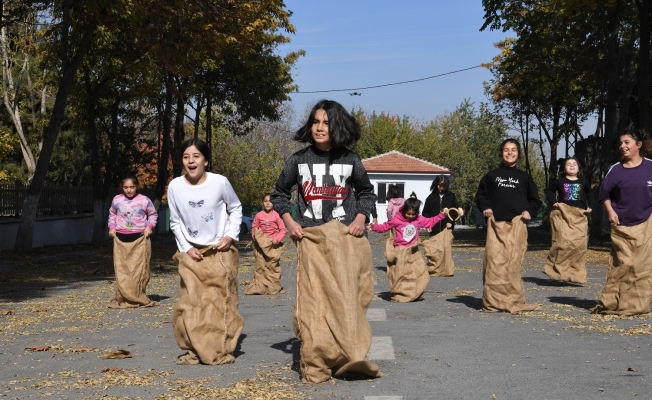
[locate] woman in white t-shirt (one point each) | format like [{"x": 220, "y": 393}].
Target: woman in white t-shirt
[{"x": 205, "y": 217}]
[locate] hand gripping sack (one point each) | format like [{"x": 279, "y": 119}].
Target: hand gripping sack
[
  {"x": 131, "y": 265},
  {"x": 206, "y": 320},
  {"x": 439, "y": 252},
  {"x": 267, "y": 270},
  {"x": 407, "y": 272},
  {"x": 567, "y": 256},
  {"x": 628, "y": 290},
  {"x": 503, "y": 261},
  {"x": 334, "y": 290}
]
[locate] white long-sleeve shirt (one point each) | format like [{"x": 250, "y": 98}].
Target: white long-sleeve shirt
[{"x": 198, "y": 213}]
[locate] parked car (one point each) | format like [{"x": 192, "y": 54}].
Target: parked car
[{"x": 245, "y": 226}]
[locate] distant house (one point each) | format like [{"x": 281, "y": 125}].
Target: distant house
[{"x": 411, "y": 174}]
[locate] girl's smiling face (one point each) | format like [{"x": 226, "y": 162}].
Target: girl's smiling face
[
  {"x": 510, "y": 154},
  {"x": 410, "y": 215},
  {"x": 629, "y": 147},
  {"x": 571, "y": 168},
  {"x": 320, "y": 132},
  {"x": 267, "y": 204},
  {"x": 194, "y": 163}
]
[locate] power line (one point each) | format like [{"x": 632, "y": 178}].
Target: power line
[{"x": 391, "y": 84}]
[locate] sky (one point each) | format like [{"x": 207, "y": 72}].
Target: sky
[{"x": 360, "y": 43}]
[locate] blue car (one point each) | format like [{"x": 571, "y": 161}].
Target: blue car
[{"x": 245, "y": 226}]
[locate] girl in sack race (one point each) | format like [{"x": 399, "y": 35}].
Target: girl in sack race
[
  {"x": 508, "y": 197},
  {"x": 132, "y": 218},
  {"x": 439, "y": 248},
  {"x": 407, "y": 273},
  {"x": 569, "y": 197},
  {"x": 267, "y": 232},
  {"x": 626, "y": 193},
  {"x": 334, "y": 279},
  {"x": 205, "y": 217}
]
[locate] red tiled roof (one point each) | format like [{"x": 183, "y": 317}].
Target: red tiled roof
[{"x": 395, "y": 161}]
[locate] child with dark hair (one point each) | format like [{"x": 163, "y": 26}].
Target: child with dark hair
[
  {"x": 439, "y": 248},
  {"x": 569, "y": 198},
  {"x": 509, "y": 198},
  {"x": 626, "y": 193},
  {"x": 132, "y": 218},
  {"x": 334, "y": 281},
  {"x": 406, "y": 270},
  {"x": 395, "y": 200},
  {"x": 267, "y": 232},
  {"x": 205, "y": 217}
]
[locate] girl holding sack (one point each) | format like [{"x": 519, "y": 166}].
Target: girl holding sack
[
  {"x": 439, "y": 248},
  {"x": 334, "y": 280},
  {"x": 569, "y": 198},
  {"x": 205, "y": 216},
  {"x": 132, "y": 218},
  {"x": 508, "y": 197}
]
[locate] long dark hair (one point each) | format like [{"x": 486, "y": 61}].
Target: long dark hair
[
  {"x": 639, "y": 135},
  {"x": 393, "y": 192},
  {"x": 440, "y": 179},
  {"x": 343, "y": 128},
  {"x": 580, "y": 172}
]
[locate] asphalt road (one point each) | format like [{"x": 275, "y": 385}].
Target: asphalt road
[{"x": 443, "y": 347}]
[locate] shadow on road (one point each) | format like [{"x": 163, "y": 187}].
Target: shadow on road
[
  {"x": 291, "y": 346},
  {"x": 469, "y": 301},
  {"x": 574, "y": 301},
  {"x": 549, "y": 282},
  {"x": 238, "y": 347}
]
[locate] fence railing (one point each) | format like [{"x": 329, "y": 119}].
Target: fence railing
[{"x": 54, "y": 200}]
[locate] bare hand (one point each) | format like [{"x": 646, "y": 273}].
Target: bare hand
[
  {"x": 224, "y": 244},
  {"x": 613, "y": 218},
  {"x": 274, "y": 241},
  {"x": 488, "y": 212},
  {"x": 448, "y": 226},
  {"x": 356, "y": 228},
  {"x": 195, "y": 254},
  {"x": 375, "y": 221},
  {"x": 147, "y": 232},
  {"x": 112, "y": 233},
  {"x": 556, "y": 205},
  {"x": 369, "y": 228},
  {"x": 294, "y": 229},
  {"x": 526, "y": 216},
  {"x": 588, "y": 211}
]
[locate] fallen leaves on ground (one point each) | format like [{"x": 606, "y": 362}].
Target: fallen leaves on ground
[
  {"x": 38, "y": 348},
  {"x": 117, "y": 354}
]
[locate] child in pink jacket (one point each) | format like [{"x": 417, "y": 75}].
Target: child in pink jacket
[
  {"x": 407, "y": 223},
  {"x": 395, "y": 201}
]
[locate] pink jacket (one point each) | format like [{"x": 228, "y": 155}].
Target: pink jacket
[
  {"x": 394, "y": 206},
  {"x": 407, "y": 232}
]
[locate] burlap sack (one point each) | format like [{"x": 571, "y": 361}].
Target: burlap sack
[
  {"x": 439, "y": 252},
  {"x": 567, "y": 255},
  {"x": 628, "y": 290},
  {"x": 131, "y": 264},
  {"x": 503, "y": 262},
  {"x": 267, "y": 270},
  {"x": 206, "y": 320},
  {"x": 407, "y": 272},
  {"x": 334, "y": 290}
]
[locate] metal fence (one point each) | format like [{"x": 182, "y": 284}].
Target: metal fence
[{"x": 54, "y": 200}]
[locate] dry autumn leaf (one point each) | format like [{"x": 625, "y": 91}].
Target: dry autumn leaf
[
  {"x": 81, "y": 349},
  {"x": 116, "y": 354},
  {"x": 38, "y": 348},
  {"x": 7, "y": 312},
  {"x": 111, "y": 369}
]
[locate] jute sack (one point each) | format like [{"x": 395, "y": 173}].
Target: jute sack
[
  {"x": 206, "y": 320},
  {"x": 439, "y": 252},
  {"x": 628, "y": 290},
  {"x": 503, "y": 262},
  {"x": 334, "y": 290},
  {"x": 407, "y": 272},
  {"x": 567, "y": 255},
  {"x": 131, "y": 264},
  {"x": 267, "y": 270}
]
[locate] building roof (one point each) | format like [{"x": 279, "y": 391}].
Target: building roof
[{"x": 397, "y": 162}]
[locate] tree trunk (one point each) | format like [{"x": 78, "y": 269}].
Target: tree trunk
[
  {"x": 179, "y": 137},
  {"x": 25, "y": 235},
  {"x": 164, "y": 159},
  {"x": 644, "y": 66}
]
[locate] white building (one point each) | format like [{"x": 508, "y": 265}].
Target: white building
[{"x": 409, "y": 173}]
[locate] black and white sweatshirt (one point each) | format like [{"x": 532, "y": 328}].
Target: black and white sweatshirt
[
  {"x": 508, "y": 191},
  {"x": 332, "y": 185}
]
